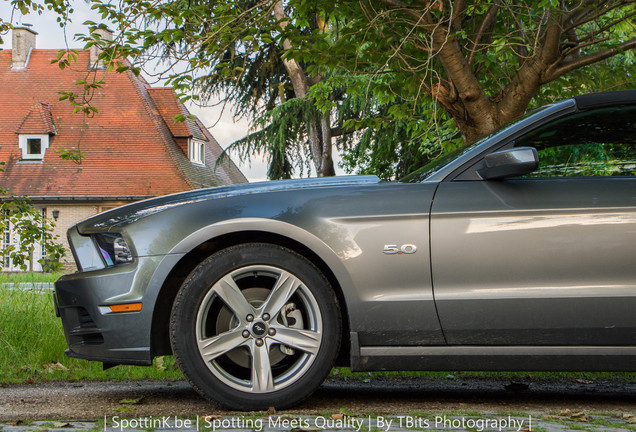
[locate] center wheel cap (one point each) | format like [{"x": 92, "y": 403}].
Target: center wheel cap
[{"x": 259, "y": 329}]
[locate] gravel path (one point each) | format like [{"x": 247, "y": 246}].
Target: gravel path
[{"x": 605, "y": 404}]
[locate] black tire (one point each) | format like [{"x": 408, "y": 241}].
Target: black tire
[{"x": 247, "y": 366}]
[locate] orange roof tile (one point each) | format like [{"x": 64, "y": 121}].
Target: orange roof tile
[
  {"x": 129, "y": 148},
  {"x": 169, "y": 107},
  {"x": 38, "y": 121}
]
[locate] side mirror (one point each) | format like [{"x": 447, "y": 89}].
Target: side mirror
[{"x": 510, "y": 163}]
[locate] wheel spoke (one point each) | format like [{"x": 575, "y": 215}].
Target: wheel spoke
[
  {"x": 211, "y": 348},
  {"x": 262, "y": 377},
  {"x": 284, "y": 288},
  {"x": 231, "y": 294},
  {"x": 304, "y": 340},
  {"x": 241, "y": 337}
]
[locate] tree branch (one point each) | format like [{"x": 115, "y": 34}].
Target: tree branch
[
  {"x": 575, "y": 49},
  {"x": 294, "y": 69},
  {"x": 583, "y": 8},
  {"x": 549, "y": 51},
  {"x": 465, "y": 98},
  {"x": 340, "y": 131},
  {"x": 522, "y": 49},
  {"x": 459, "y": 11},
  {"x": 555, "y": 72},
  {"x": 525, "y": 83},
  {"x": 486, "y": 23},
  {"x": 396, "y": 4},
  {"x": 587, "y": 17},
  {"x": 626, "y": 18}
]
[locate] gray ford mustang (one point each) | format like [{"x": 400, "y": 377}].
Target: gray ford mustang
[{"x": 517, "y": 252}]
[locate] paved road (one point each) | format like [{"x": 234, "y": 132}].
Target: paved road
[
  {"x": 555, "y": 405},
  {"x": 333, "y": 423}
]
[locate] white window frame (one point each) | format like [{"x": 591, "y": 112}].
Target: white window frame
[
  {"x": 43, "y": 243},
  {"x": 196, "y": 151},
  {"x": 11, "y": 237},
  {"x": 23, "y": 141},
  {"x": 6, "y": 240}
]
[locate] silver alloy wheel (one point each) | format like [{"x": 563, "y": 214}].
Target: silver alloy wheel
[{"x": 258, "y": 327}]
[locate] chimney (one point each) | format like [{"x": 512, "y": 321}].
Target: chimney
[
  {"x": 95, "y": 50},
  {"x": 23, "y": 43}
]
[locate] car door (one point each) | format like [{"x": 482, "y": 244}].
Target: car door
[{"x": 549, "y": 258}]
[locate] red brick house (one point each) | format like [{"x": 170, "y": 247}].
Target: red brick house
[{"x": 133, "y": 148}]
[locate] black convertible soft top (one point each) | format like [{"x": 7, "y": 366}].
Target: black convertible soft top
[{"x": 597, "y": 100}]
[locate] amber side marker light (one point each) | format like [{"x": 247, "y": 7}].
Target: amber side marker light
[{"x": 126, "y": 307}]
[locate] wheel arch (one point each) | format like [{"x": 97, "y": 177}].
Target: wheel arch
[{"x": 197, "y": 252}]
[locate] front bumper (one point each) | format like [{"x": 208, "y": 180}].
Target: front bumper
[{"x": 92, "y": 330}]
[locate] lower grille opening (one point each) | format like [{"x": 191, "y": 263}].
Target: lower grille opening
[
  {"x": 92, "y": 339},
  {"x": 84, "y": 318},
  {"x": 85, "y": 331}
]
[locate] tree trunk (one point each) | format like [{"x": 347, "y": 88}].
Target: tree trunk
[
  {"x": 320, "y": 144},
  {"x": 326, "y": 164},
  {"x": 319, "y": 131}
]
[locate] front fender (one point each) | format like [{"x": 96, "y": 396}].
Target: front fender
[{"x": 275, "y": 227}]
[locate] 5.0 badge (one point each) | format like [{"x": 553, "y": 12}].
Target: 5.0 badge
[{"x": 404, "y": 249}]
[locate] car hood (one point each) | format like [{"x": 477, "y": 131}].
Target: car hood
[{"x": 132, "y": 212}]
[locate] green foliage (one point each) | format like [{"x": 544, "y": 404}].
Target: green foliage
[
  {"x": 18, "y": 215},
  {"x": 32, "y": 341},
  {"x": 32, "y": 229},
  {"x": 82, "y": 101},
  {"x": 385, "y": 135},
  {"x": 61, "y": 8},
  {"x": 398, "y": 82},
  {"x": 374, "y": 70},
  {"x": 72, "y": 155},
  {"x": 281, "y": 135}
]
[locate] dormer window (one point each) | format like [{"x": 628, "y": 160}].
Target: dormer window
[
  {"x": 196, "y": 151},
  {"x": 35, "y": 131},
  {"x": 33, "y": 146}
]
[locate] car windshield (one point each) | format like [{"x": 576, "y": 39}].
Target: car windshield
[{"x": 436, "y": 164}]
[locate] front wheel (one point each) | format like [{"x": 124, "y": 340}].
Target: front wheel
[{"x": 255, "y": 326}]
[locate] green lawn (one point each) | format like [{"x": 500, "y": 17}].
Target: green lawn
[
  {"x": 32, "y": 341},
  {"x": 32, "y": 347}
]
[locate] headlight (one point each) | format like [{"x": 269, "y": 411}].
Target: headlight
[{"x": 113, "y": 248}]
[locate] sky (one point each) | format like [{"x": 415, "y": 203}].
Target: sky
[{"x": 50, "y": 36}]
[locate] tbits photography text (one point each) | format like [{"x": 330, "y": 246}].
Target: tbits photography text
[{"x": 319, "y": 423}]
